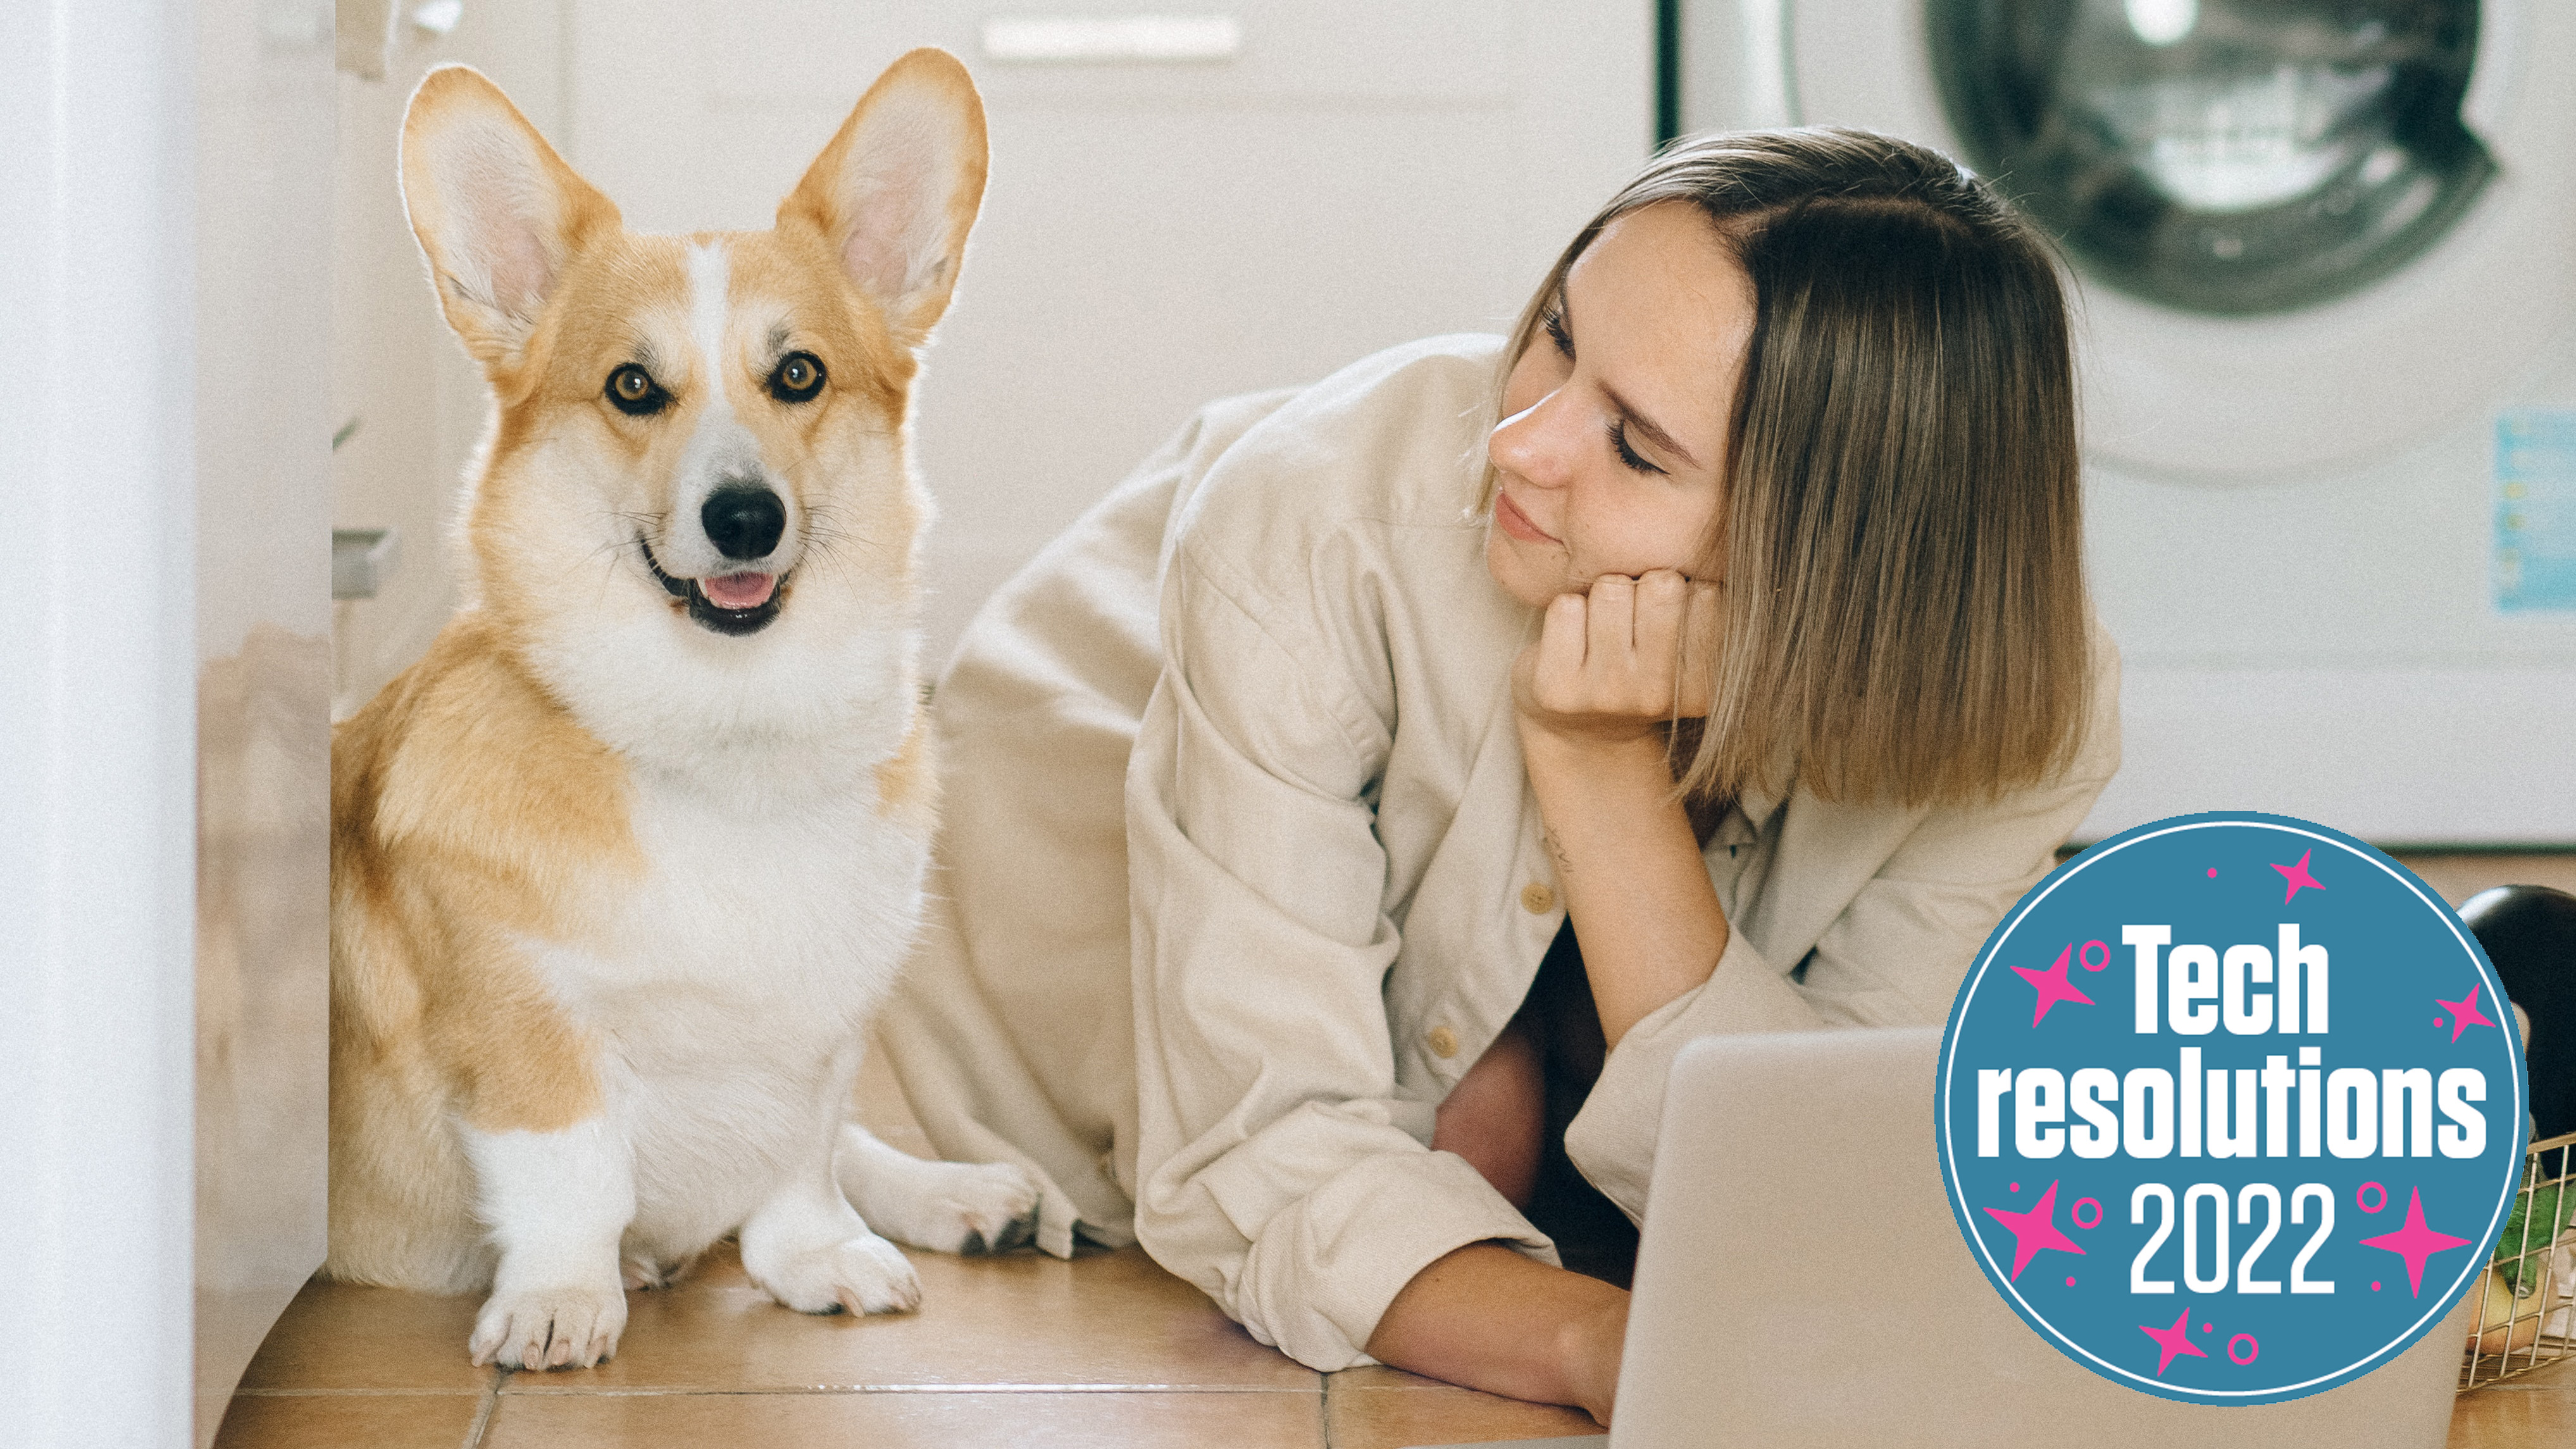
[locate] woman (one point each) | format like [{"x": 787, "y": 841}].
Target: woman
[{"x": 1405, "y": 700}]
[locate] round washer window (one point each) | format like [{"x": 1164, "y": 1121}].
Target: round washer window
[{"x": 2223, "y": 156}]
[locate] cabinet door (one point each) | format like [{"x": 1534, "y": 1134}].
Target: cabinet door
[{"x": 1154, "y": 235}]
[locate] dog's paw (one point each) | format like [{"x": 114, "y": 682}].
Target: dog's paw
[
  {"x": 973, "y": 1208},
  {"x": 646, "y": 1274},
  {"x": 549, "y": 1328},
  {"x": 864, "y": 1274},
  {"x": 946, "y": 1207}
]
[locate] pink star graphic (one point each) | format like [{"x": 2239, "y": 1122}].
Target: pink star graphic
[
  {"x": 2465, "y": 1013},
  {"x": 2035, "y": 1230},
  {"x": 2053, "y": 985},
  {"x": 2415, "y": 1242},
  {"x": 2175, "y": 1341},
  {"x": 2299, "y": 879}
]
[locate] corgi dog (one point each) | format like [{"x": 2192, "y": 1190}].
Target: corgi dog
[{"x": 621, "y": 866}]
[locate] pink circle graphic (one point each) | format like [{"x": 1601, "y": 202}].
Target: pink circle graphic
[
  {"x": 2253, "y": 1349},
  {"x": 2086, "y": 955},
  {"x": 2364, "y": 1203},
  {"x": 2077, "y": 1212}
]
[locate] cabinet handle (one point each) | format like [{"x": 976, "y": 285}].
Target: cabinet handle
[
  {"x": 360, "y": 560},
  {"x": 1095, "y": 39}
]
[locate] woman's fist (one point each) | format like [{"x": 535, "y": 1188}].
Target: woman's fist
[{"x": 1612, "y": 664}]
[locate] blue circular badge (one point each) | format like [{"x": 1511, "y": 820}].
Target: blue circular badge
[{"x": 2231, "y": 1108}]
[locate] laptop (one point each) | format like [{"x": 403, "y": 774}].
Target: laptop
[{"x": 1802, "y": 1283}]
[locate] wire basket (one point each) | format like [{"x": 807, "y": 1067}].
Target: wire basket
[{"x": 2528, "y": 1317}]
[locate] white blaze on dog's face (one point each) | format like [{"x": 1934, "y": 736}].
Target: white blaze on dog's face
[{"x": 698, "y": 474}]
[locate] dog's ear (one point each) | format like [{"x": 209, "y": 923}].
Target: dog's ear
[
  {"x": 897, "y": 189},
  {"x": 498, "y": 214}
]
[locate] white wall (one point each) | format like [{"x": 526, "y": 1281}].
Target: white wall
[{"x": 97, "y": 690}]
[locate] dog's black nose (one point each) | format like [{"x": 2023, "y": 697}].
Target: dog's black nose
[{"x": 743, "y": 522}]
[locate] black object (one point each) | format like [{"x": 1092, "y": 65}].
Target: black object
[
  {"x": 1668, "y": 71},
  {"x": 2529, "y": 932},
  {"x": 1592, "y": 1235}
]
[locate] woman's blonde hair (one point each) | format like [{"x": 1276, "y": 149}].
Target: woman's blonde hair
[{"x": 1901, "y": 543}]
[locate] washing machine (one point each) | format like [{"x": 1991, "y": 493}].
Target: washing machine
[{"x": 2324, "y": 261}]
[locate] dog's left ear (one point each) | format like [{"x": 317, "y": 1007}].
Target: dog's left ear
[
  {"x": 498, "y": 214},
  {"x": 897, "y": 189}
]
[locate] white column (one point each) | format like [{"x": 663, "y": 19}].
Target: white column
[{"x": 96, "y": 721}]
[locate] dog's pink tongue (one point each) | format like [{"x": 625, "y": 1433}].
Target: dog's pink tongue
[{"x": 739, "y": 591}]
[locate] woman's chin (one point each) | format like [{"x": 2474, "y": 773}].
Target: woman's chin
[{"x": 1517, "y": 569}]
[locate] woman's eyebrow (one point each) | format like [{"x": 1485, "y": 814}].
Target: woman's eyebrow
[{"x": 1646, "y": 427}]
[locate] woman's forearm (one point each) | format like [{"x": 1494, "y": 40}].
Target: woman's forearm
[
  {"x": 1631, "y": 872},
  {"x": 1490, "y": 1318}
]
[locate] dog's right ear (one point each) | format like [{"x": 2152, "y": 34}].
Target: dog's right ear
[
  {"x": 498, "y": 214},
  {"x": 897, "y": 189}
]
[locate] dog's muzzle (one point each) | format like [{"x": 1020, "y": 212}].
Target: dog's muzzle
[{"x": 709, "y": 614}]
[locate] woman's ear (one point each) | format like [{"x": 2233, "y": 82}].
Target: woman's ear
[
  {"x": 498, "y": 214},
  {"x": 898, "y": 187}
]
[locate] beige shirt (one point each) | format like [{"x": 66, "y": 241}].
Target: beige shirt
[{"x": 1339, "y": 894}]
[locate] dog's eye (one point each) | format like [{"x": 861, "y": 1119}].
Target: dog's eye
[
  {"x": 635, "y": 392},
  {"x": 798, "y": 376}
]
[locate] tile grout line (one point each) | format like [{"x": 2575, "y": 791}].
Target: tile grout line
[
  {"x": 1324, "y": 1410},
  {"x": 357, "y": 1393},
  {"x": 855, "y": 1390},
  {"x": 483, "y": 1412}
]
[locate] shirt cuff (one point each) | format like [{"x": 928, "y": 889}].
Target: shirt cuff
[
  {"x": 1325, "y": 1268},
  {"x": 1612, "y": 1140}
]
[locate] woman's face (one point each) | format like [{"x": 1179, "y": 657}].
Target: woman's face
[{"x": 1610, "y": 455}]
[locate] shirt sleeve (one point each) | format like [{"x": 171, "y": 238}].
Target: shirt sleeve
[
  {"x": 1893, "y": 956},
  {"x": 1278, "y": 1169}
]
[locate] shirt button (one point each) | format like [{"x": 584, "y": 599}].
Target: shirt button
[
  {"x": 1442, "y": 1041},
  {"x": 1537, "y": 899}
]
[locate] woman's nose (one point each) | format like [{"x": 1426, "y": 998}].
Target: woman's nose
[{"x": 1531, "y": 444}]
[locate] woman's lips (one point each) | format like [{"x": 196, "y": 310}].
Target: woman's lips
[{"x": 1516, "y": 523}]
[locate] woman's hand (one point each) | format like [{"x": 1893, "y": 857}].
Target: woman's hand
[{"x": 1612, "y": 665}]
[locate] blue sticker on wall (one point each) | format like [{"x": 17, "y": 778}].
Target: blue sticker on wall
[
  {"x": 2231, "y": 1109},
  {"x": 2535, "y": 510}
]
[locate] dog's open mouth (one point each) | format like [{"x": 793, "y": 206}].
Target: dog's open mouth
[{"x": 728, "y": 603}]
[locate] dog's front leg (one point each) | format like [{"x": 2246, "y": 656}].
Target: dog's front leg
[
  {"x": 807, "y": 1247},
  {"x": 557, "y": 1204}
]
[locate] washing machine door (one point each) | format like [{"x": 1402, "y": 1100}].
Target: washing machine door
[
  {"x": 2243, "y": 156},
  {"x": 2306, "y": 229}
]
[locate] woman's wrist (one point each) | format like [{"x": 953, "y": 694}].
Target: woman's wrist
[
  {"x": 1591, "y": 1346},
  {"x": 1594, "y": 759},
  {"x": 1490, "y": 1318}
]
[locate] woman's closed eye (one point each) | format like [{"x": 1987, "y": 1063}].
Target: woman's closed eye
[{"x": 1628, "y": 456}]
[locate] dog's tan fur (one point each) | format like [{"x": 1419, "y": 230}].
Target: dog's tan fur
[
  {"x": 488, "y": 867},
  {"x": 427, "y": 1020}
]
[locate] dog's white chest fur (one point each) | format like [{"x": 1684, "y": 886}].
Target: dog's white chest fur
[{"x": 729, "y": 986}]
